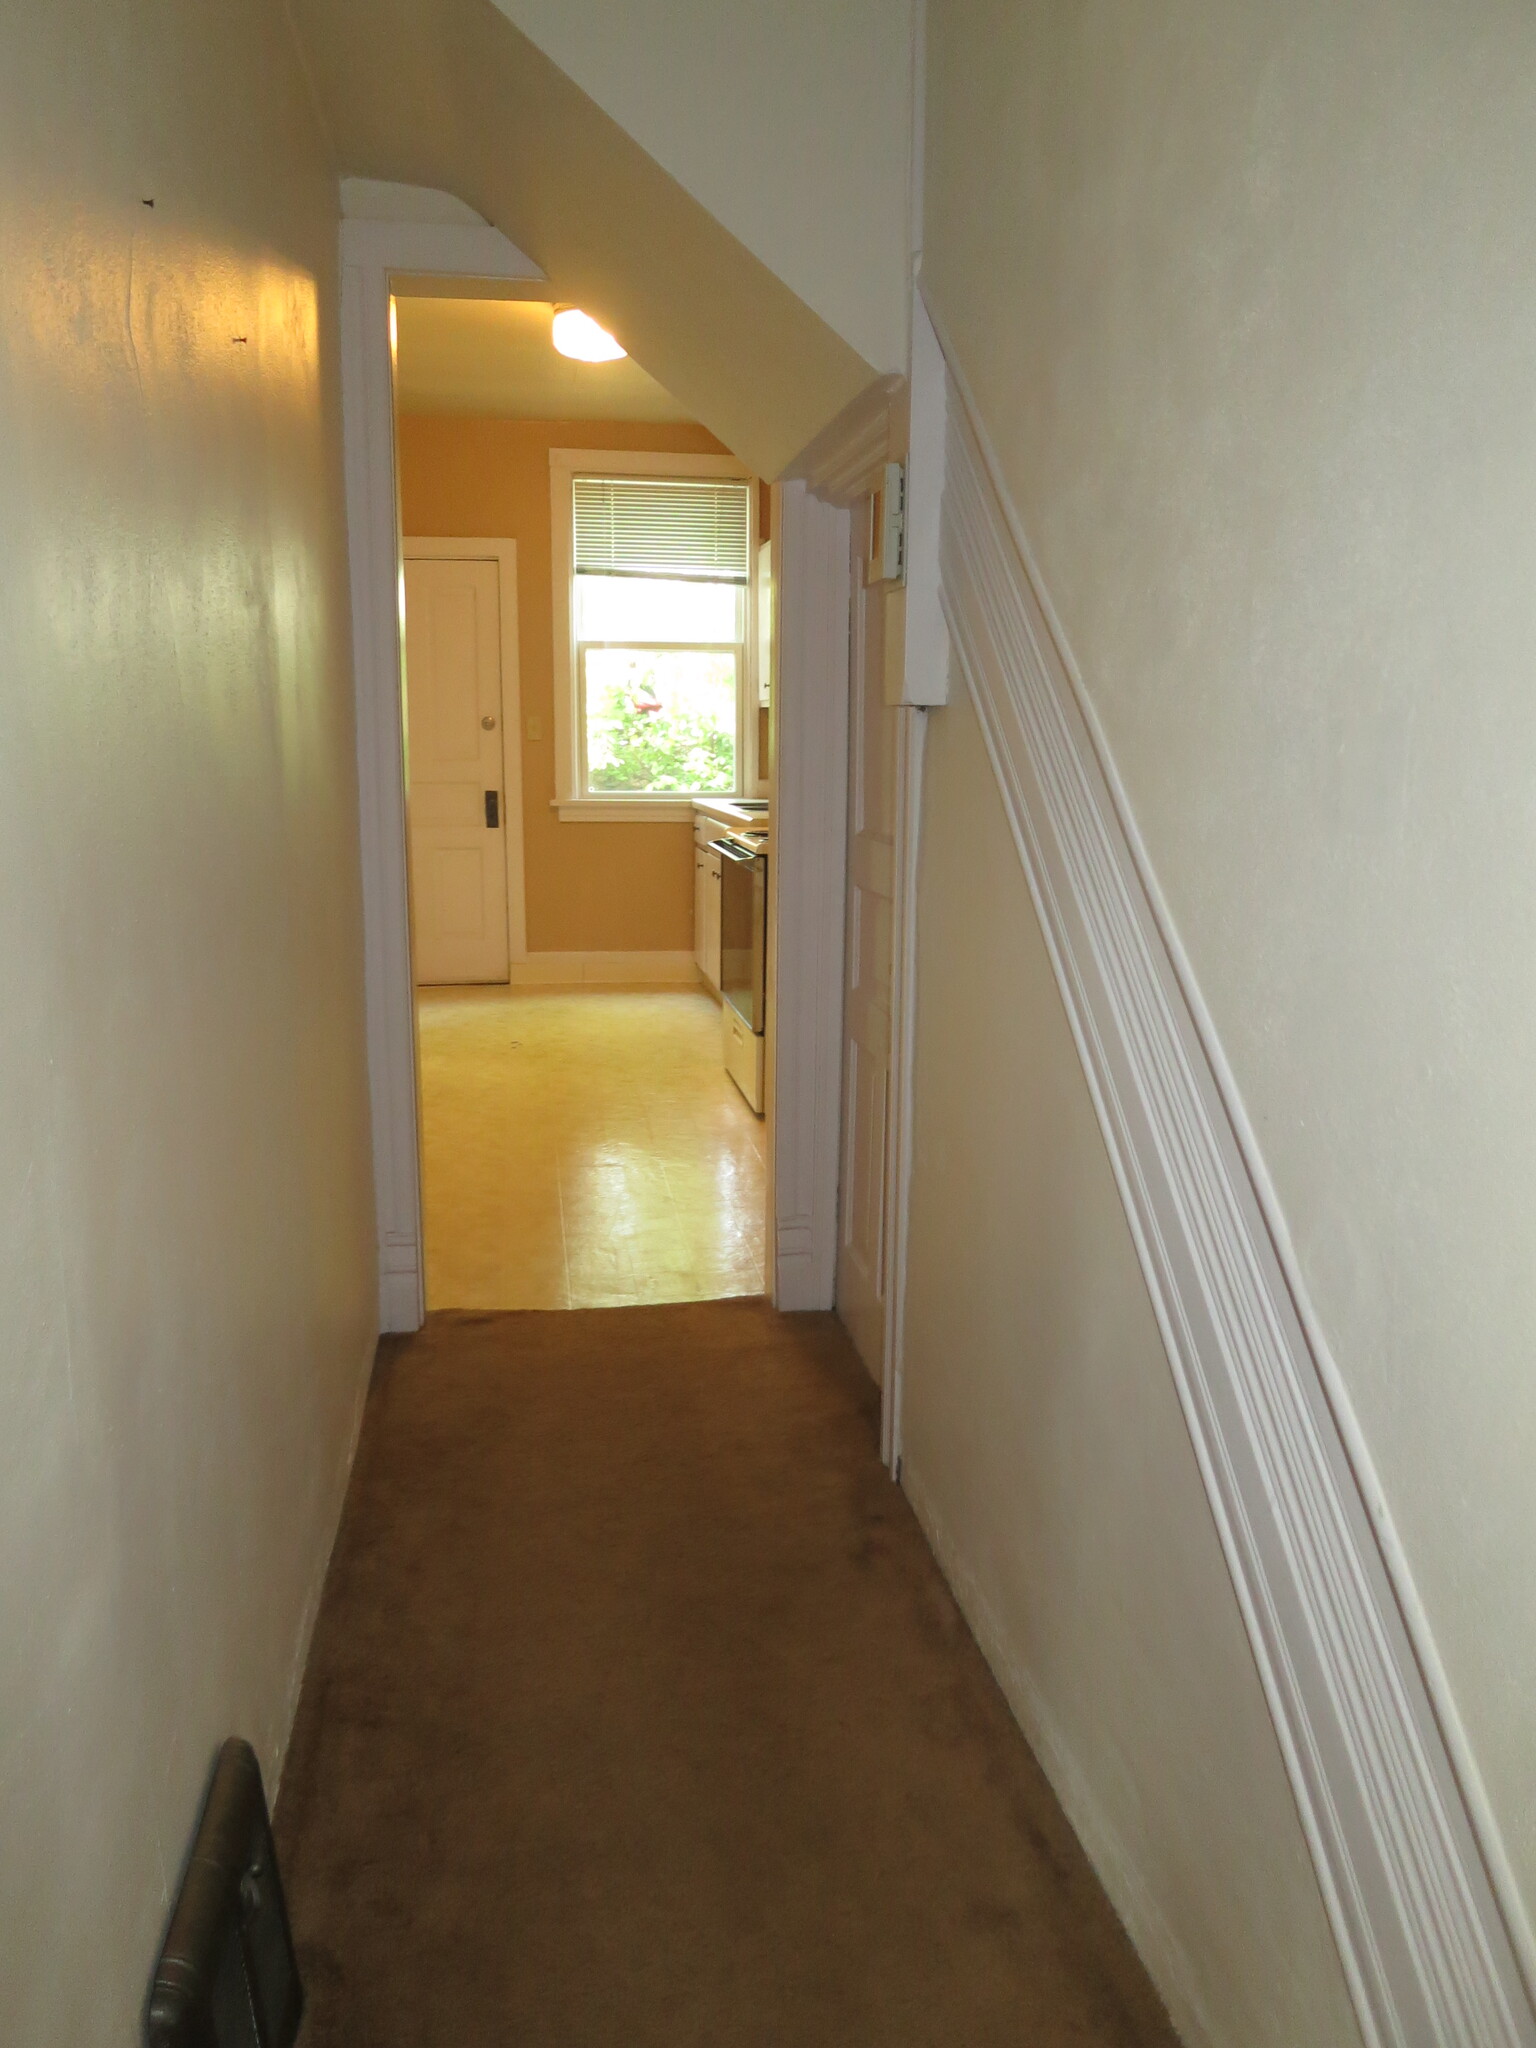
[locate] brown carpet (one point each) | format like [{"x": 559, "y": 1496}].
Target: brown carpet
[{"x": 638, "y": 1713}]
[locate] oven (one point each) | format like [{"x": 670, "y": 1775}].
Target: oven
[{"x": 743, "y": 928}]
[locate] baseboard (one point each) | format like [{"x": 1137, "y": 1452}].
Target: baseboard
[
  {"x": 1154, "y": 1940},
  {"x": 399, "y": 1302},
  {"x": 309, "y": 1619},
  {"x": 570, "y": 970},
  {"x": 803, "y": 1280}
]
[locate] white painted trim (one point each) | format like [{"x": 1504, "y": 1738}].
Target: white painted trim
[
  {"x": 842, "y": 466},
  {"x": 597, "y": 810},
  {"x": 371, "y": 251},
  {"x": 369, "y": 454},
  {"x": 570, "y": 970},
  {"x": 810, "y": 794},
  {"x": 925, "y": 683},
  {"x": 571, "y": 800},
  {"x": 845, "y": 460},
  {"x": 911, "y": 736},
  {"x": 1429, "y": 1924},
  {"x": 417, "y": 548},
  {"x": 806, "y": 875}
]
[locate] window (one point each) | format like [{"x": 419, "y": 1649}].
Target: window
[{"x": 653, "y": 578}]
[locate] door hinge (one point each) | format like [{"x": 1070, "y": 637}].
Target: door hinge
[{"x": 493, "y": 808}]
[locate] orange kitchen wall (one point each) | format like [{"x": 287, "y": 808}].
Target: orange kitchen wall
[{"x": 625, "y": 887}]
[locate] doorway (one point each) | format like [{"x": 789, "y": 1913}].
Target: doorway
[
  {"x": 808, "y": 790},
  {"x": 582, "y": 722}
]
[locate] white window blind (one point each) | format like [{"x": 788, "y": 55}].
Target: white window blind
[{"x": 660, "y": 526}]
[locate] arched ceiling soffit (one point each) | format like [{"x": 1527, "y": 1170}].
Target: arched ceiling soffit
[{"x": 447, "y": 93}]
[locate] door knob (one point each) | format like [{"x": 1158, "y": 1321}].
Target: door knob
[{"x": 488, "y": 724}]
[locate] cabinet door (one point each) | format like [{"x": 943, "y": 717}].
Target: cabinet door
[{"x": 712, "y": 920}]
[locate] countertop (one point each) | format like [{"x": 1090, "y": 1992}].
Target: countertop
[{"x": 726, "y": 810}]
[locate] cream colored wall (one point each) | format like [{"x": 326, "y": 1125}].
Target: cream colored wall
[
  {"x": 1246, "y": 298},
  {"x": 789, "y": 120},
  {"x": 619, "y": 887},
  {"x": 186, "y": 1258},
  {"x": 1047, "y": 1455}
]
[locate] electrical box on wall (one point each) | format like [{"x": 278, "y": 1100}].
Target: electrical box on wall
[{"x": 887, "y": 561}]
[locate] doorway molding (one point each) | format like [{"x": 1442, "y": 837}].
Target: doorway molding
[
  {"x": 503, "y": 554},
  {"x": 894, "y": 419},
  {"x": 811, "y": 717},
  {"x": 373, "y": 255},
  {"x": 809, "y": 798}
]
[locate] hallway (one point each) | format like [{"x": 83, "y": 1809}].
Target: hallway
[
  {"x": 638, "y": 1712},
  {"x": 584, "y": 1148}
]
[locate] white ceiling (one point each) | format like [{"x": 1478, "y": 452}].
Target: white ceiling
[{"x": 494, "y": 356}]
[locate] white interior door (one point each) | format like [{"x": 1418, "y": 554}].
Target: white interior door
[
  {"x": 457, "y": 809},
  {"x": 872, "y": 737}
]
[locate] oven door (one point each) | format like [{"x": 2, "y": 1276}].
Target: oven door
[{"x": 743, "y": 929}]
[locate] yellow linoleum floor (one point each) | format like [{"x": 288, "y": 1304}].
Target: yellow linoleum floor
[{"x": 584, "y": 1148}]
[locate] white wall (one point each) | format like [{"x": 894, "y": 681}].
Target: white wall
[
  {"x": 1047, "y": 1455},
  {"x": 1246, "y": 301},
  {"x": 790, "y": 121},
  {"x": 186, "y": 1264}
]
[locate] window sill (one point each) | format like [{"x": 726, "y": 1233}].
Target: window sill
[{"x": 611, "y": 810}]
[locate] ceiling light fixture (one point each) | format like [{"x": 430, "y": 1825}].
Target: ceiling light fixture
[{"x": 577, "y": 335}]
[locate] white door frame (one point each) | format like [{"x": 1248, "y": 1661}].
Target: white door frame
[
  {"x": 809, "y": 797},
  {"x": 894, "y": 420},
  {"x": 372, "y": 254},
  {"x": 810, "y": 794},
  {"x": 503, "y": 554}
]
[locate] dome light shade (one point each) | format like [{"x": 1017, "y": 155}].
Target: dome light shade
[{"x": 577, "y": 335}]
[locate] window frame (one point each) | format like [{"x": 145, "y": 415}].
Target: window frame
[{"x": 572, "y": 801}]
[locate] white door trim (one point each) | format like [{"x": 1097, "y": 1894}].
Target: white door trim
[
  {"x": 806, "y": 871},
  {"x": 1426, "y": 1913},
  {"x": 371, "y": 253},
  {"x": 844, "y": 463},
  {"x": 911, "y": 736},
  {"x": 805, "y": 876},
  {"x": 925, "y": 684},
  {"x": 416, "y": 548}
]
